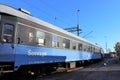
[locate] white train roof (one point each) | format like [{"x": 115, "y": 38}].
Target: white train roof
[{"x": 12, "y": 11}]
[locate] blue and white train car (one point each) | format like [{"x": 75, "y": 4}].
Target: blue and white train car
[{"x": 29, "y": 43}]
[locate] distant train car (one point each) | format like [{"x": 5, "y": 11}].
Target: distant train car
[{"x": 32, "y": 45}]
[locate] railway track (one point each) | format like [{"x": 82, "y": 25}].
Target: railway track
[{"x": 58, "y": 71}]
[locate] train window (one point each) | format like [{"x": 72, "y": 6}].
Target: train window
[
  {"x": 88, "y": 49},
  {"x": 80, "y": 46},
  {"x": 92, "y": 49},
  {"x": 55, "y": 41},
  {"x": 74, "y": 45},
  {"x": 40, "y": 38},
  {"x": 30, "y": 37},
  {"x": 66, "y": 43},
  {"x": 85, "y": 47},
  {"x": 8, "y": 30}
]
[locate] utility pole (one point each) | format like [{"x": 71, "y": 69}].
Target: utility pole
[
  {"x": 74, "y": 29},
  {"x": 78, "y": 16},
  {"x": 78, "y": 28}
]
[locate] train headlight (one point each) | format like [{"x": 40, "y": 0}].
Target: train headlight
[{"x": 4, "y": 40}]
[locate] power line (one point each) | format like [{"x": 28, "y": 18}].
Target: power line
[
  {"x": 87, "y": 34},
  {"x": 36, "y": 8},
  {"x": 55, "y": 10},
  {"x": 48, "y": 14}
]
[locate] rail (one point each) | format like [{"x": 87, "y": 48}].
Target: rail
[{"x": 2, "y": 71}]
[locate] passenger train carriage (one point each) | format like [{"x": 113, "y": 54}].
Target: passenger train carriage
[{"x": 30, "y": 43}]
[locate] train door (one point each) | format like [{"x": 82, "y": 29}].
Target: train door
[{"x": 7, "y": 51}]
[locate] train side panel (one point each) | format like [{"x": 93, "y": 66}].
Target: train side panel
[{"x": 28, "y": 55}]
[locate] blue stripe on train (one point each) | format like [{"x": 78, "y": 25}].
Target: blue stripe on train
[{"x": 24, "y": 55}]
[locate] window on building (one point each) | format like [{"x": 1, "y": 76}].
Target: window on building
[
  {"x": 55, "y": 41},
  {"x": 8, "y": 32},
  {"x": 66, "y": 43},
  {"x": 74, "y": 45},
  {"x": 40, "y": 38}
]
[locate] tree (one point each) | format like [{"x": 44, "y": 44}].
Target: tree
[{"x": 117, "y": 49}]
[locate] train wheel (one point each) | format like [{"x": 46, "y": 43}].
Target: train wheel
[{"x": 23, "y": 71}]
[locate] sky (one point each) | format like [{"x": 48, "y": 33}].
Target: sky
[{"x": 98, "y": 19}]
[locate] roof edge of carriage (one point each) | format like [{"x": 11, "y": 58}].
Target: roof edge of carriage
[{"x": 15, "y": 12}]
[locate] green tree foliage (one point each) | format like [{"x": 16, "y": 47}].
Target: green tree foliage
[{"x": 117, "y": 49}]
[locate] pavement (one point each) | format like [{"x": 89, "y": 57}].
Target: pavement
[{"x": 108, "y": 69}]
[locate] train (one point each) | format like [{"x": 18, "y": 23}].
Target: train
[{"x": 30, "y": 45}]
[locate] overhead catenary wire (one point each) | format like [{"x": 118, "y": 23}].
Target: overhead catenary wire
[
  {"x": 45, "y": 12},
  {"x": 87, "y": 34},
  {"x": 36, "y": 8},
  {"x": 58, "y": 11}
]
